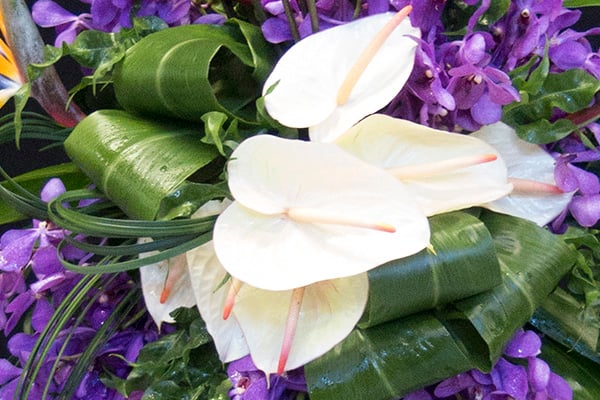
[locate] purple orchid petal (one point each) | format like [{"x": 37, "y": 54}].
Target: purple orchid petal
[
  {"x": 453, "y": 385},
  {"x": 42, "y": 312},
  {"x": 20, "y": 346},
  {"x": 558, "y": 388},
  {"x": 568, "y": 55},
  {"x": 18, "y": 306},
  {"x": 586, "y": 209},
  {"x": 485, "y": 111},
  {"x": 8, "y": 371},
  {"x": 524, "y": 344},
  {"x": 45, "y": 262},
  {"x": 48, "y": 14},
  {"x": 421, "y": 394},
  {"x": 510, "y": 378},
  {"x": 276, "y": 30},
  {"x": 17, "y": 253},
  {"x": 210, "y": 19},
  {"x": 52, "y": 189},
  {"x": 539, "y": 374}
]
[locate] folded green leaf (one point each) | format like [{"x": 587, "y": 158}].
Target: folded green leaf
[
  {"x": 137, "y": 162},
  {"x": 533, "y": 261},
  {"x": 392, "y": 359},
  {"x": 187, "y": 71},
  {"x": 464, "y": 264}
]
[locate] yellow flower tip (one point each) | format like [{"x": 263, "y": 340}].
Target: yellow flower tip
[
  {"x": 234, "y": 289},
  {"x": 533, "y": 187},
  {"x": 290, "y": 328},
  {"x": 367, "y": 55},
  {"x": 431, "y": 249},
  {"x": 310, "y": 215},
  {"x": 424, "y": 170}
]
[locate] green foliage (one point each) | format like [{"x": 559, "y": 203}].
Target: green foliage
[
  {"x": 180, "y": 365},
  {"x": 457, "y": 13},
  {"x": 394, "y": 358},
  {"x": 188, "y": 71},
  {"x": 543, "y": 93},
  {"x": 137, "y": 162}
]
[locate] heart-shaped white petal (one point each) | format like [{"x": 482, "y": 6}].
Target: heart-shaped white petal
[
  {"x": 153, "y": 278},
  {"x": 329, "y": 312},
  {"x": 272, "y": 179},
  {"x": 391, "y": 143},
  {"x": 207, "y": 277},
  {"x": 305, "y": 82},
  {"x": 524, "y": 161}
]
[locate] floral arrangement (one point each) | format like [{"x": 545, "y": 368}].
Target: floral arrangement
[{"x": 286, "y": 199}]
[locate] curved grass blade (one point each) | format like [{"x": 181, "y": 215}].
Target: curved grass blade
[
  {"x": 62, "y": 314},
  {"x": 118, "y": 317}
]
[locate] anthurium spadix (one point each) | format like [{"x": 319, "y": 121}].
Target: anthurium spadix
[
  {"x": 306, "y": 212},
  {"x": 332, "y": 79},
  {"x": 329, "y": 310},
  {"x": 445, "y": 171},
  {"x": 531, "y": 170}
]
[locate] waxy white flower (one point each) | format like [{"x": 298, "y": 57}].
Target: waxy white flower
[
  {"x": 445, "y": 171},
  {"x": 173, "y": 274},
  {"x": 305, "y": 212},
  {"x": 531, "y": 170},
  {"x": 332, "y": 79},
  {"x": 259, "y": 322},
  {"x": 166, "y": 285}
]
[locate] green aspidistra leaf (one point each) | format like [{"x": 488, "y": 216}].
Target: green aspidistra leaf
[
  {"x": 464, "y": 264},
  {"x": 392, "y": 359},
  {"x": 187, "y": 71},
  {"x": 134, "y": 161}
]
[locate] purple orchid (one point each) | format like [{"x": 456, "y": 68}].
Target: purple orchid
[
  {"x": 48, "y": 14},
  {"x": 251, "y": 384},
  {"x": 507, "y": 380}
]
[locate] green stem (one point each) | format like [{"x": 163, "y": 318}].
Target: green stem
[{"x": 289, "y": 13}]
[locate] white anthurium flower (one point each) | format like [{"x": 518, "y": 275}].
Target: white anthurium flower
[
  {"x": 305, "y": 212},
  {"x": 159, "y": 302},
  {"x": 166, "y": 285},
  {"x": 531, "y": 169},
  {"x": 328, "y": 311},
  {"x": 445, "y": 171},
  {"x": 330, "y": 80},
  {"x": 207, "y": 278}
]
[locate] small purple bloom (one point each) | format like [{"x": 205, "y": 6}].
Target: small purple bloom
[{"x": 251, "y": 384}]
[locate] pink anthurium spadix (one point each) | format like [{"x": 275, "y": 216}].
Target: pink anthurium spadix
[
  {"x": 326, "y": 313},
  {"x": 445, "y": 171},
  {"x": 306, "y": 212},
  {"x": 332, "y": 79},
  {"x": 531, "y": 171}
]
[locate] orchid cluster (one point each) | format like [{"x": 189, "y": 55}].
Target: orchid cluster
[
  {"x": 405, "y": 121},
  {"x": 34, "y": 284}
]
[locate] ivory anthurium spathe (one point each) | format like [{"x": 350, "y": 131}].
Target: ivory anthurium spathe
[
  {"x": 445, "y": 171},
  {"x": 166, "y": 285},
  {"x": 328, "y": 313},
  {"x": 531, "y": 170},
  {"x": 173, "y": 275},
  {"x": 312, "y": 85},
  {"x": 306, "y": 212}
]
